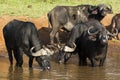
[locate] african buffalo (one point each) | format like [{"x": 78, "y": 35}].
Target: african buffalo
[
  {"x": 115, "y": 24},
  {"x": 68, "y": 16},
  {"x": 89, "y": 40},
  {"x": 22, "y": 37},
  {"x": 64, "y": 17}
]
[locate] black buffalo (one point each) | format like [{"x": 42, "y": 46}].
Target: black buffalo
[
  {"x": 22, "y": 37},
  {"x": 89, "y": 40},
  {"x": 115, "y": 24},
  {"x": 67, "y": 16}
]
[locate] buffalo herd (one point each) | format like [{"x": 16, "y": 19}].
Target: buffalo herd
[
  {"x": 87, "y": 36},
  {"x": 67, "y": 17}
]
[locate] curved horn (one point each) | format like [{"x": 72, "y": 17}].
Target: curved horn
[
  {"x": 116, "y": 32},
  {"x": 68, "y": 49},
  {"x": 110, "y": 7},
  {"x": 38, "y": 53},
  {"x": 94, "y": 33},
  {"x": 91, "y": 8},
  {"x": 48, "y": 51},
  {"x": 31, "y": 50}
]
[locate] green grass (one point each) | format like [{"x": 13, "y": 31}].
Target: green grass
[{"x": 39, "y": 8}]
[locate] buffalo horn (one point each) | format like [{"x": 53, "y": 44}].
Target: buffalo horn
[
  {"x": 68, "y": 49},
  {"x": 110, "y": 7},
  {"x": 92, "y": 8},
  {"x": 43, "y": 51},
  {"x": 90, "y": 33},
  {"x": 31, "y": 50},
  {"x": 116, "y": 32}
]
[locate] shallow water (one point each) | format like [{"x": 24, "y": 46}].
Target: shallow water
[{"x": 69, "y": 71}]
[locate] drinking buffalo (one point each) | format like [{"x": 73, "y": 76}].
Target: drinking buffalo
[{"x": 22, "y": 37}]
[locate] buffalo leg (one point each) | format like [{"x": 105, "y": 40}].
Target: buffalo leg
[
  {"x": 57, "y": 37},
  {"x": 19, "y": 57},
  {"x": 9, "y": 50},
  {"x": 53, "y": 34},
  {"x": 30, "y": 61},
  {"x": 10, "y": 56},
  {"x": 16, "y": 57},
  {"x": 93, "y": 62},
  {"x": 51, "y": 38},
  {"x": 82, "y": 61},
  {"x": 102, "y": 61}
]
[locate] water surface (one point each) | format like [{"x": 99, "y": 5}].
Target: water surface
[{"x": 69, "y": 71}]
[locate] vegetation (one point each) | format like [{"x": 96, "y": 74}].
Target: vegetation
[{"x": 37, "y": 8}]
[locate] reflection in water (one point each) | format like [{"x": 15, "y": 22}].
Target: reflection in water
[
  {"x": 69, "y": 71},
  {"x": 112, "y": 67},
  {"x": 15, "y": 73}
]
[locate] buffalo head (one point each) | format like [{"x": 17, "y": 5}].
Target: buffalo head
[
  {"x": 100, "y": 9},
  {"x": 42, "y": 57},
  {"x": 100, "y": 35},
  {"x": 44, "y": 62},
  {"x": 65, "y": 53}
]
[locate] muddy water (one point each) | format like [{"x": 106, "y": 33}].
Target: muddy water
[{"x": 69, "y": 71}]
